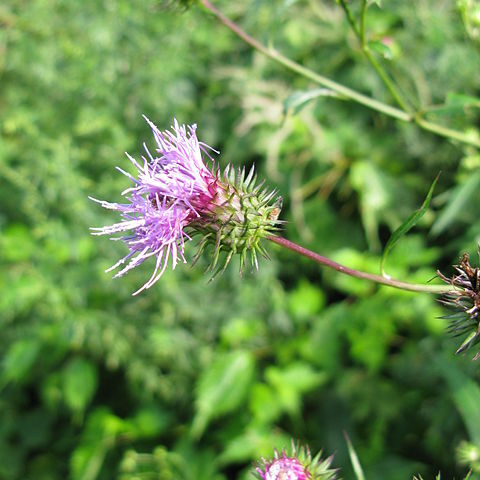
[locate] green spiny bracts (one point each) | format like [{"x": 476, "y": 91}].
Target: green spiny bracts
[{"x": 240, "y": 216}]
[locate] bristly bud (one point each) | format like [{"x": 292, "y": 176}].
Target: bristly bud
[
  {"x": 241, "y": 214},
  {"x": 175, "y": 197},
  {"x": 297, "y": 464},
  {"x": 465, "y": 298}
]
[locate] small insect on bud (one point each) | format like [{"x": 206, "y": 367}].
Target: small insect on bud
[
  {"x": 175, "y": 197},
  {"x": 464, "y": 297}
]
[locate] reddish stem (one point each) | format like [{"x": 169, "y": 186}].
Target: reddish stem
[{"x": 413, "y": 287}]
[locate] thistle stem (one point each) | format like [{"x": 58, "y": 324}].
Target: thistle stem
[
  {"x": 342, "y": 90},
  {"x": 360, "y": 33},
  {"x": 391, "y": 282}
]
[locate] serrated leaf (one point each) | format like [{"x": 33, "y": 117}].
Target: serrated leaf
[
  {"x": 409, "y": 223},
  {"x": 295, "y": 102},
  {"x": 381, "y": 49},
  {"x": 222, "y": 387}
]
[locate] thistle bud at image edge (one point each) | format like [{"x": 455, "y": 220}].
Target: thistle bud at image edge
[
  {"x": 296, "y": 464},
  {"x": 175, "y": 196},
  {"x": 464, "y": 299}
]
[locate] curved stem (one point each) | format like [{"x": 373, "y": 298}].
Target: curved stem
[
  {"x": 338, "y": 88},
  {"x": 413, "y": 287},
  {"x": 363, "y": 16},
  {"x": 360, "y": 33},
  {"x": 305, "y": 72}
]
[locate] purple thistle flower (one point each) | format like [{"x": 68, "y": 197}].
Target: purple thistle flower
[
  {"x": 296, "y": 465},
  {"x": 283, "y": 468},
  {"x": 175, "y": 196},
  {"x": 171, "y": 190}
]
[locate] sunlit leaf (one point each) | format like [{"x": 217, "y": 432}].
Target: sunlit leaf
[
  {"x": 222, "y": 387},
  {"x": 291, "y": 382},
  {"x": 80, "y": 380}
]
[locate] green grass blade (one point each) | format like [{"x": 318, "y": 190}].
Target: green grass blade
[
  {"x": 409, "y": 223},
  {"x": 357, "y": 468}
]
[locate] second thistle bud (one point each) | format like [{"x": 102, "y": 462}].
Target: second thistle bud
[
  {"x": 465, "y": 298},
  {"x": 297, "y": 464}
]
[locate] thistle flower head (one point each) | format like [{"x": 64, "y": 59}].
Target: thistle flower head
[
  {"x": 296, "y": 465},
  {"x": 175, "y": 196},
  {"x": 464, "y": 297}
]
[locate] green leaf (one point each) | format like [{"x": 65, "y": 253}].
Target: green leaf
[
  {"x": 381, "y": 49},
  {"x": 460, "y": 99},
  {"x": 408, "y": 224},
  {"x": 306, "y": 300},
  {"x": 291, "y": 382},
  {"x": 264, "y": 404},
  {"x": 222, "y": 387},
  {"x": 460, "y": 197},
  {"x": 80, "y": 380},
  {"x": 17, "y": 244},
  {"x": 455, "y": 103},
  {"x": 295, "y": 102},
  {"x": 97, "y": 439},
  {"x": 378, "y": 191},
  {"x": 466, "y": 395},
  {"x": 20, "y": 359},
  {"x": 150, "y": 421}
]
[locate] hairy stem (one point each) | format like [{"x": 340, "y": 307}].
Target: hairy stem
[
  {"x": 413, "y": 287},
  {"x": 399, "y": 114}
]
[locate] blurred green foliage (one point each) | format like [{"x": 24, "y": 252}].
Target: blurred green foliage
[{"x": 196, "y": 380}]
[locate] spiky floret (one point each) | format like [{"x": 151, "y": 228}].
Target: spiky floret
[
  {"x": 176, "y": 196},
  {"x": 241, "y": 214},
  {"x": 296, "y": 464},
  {"x": 464, "y": 297}
]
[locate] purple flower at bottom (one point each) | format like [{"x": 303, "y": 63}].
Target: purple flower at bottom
[
  {"x": 283, "y": 468},
  {"x": 175, "y": 196},
  {"x": 296, "y": 465}
]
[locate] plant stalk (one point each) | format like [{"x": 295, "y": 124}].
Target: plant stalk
[
  {"x": 391, "y": 282},
  {"x": 346, "y": 92}
]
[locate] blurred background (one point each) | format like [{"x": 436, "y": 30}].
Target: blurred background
[{"x": 196, "y": 380}]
